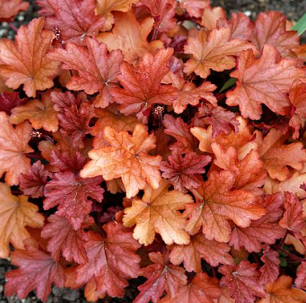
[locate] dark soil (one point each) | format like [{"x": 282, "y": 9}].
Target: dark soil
[{"x": 293, "y": 9}]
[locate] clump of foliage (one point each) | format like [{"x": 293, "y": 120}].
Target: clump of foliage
[{"x": 122, "y": 156}]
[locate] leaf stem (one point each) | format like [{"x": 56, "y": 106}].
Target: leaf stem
[
  {"x": 13, "y": 27},
  {"x": 292, "y": 256}
]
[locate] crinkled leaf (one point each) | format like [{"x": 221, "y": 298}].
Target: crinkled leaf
[
  {"x": 97, "y": 70},
  {"x": 219, "y": 203},
  {"x": 25, "y": 61},
  {"x": 127, "y": 158},
  {"x": 161, "y": 276},
  {"x": 75, "y": 19},
  {"x": 36, "y": 270},
  {"x": 242, "y": 280},
  {"x": 41, "y": 114},
  {"x": 111, "y": 260},
  {"x": 130, "y": 36},
  {"x": 158, "y": 212},
  {"x": 64, "y": 239},
  {"x": 13, "y": 147},
  {"x": 265, "y": 80},
  {"x": 212, "y": 50},
  {"x": 264, "y": 230},
  {"x": 142, "y": 84},
  {"x": 15, "y": 214},
  {"x": 33, "y": 182},
  {"x": 72, "y": 193},
  {"x": 199, "y": 248}
]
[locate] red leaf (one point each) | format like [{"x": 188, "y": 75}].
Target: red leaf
[
  {"x": 63, "y": 238},
  {"x": 161, "y": 276},
  {"x": 97, "y": 70},
  {"x": 163, "y": 12},
  {"x": 211, "y": 251},
  {"x": 270, "y": 270},
  {"x": 72, "y": 193},
  {"x": 75, "y": 19},
  {"x": 141, "y": 84},
  {"x": 180, "y": 131},
  {"x": 293, "y": 216},
  {"x": 221, "y": 120},
  {"x": 34, "y": 181},
  {"x": 10, "y": 8},
  {"x": 10, "y": 100},
  {"x": 184, "y": 169},
  {"x": 242, "y": 280},
  {"x": 111, "y": 260},
  {"x": 74, "y": 114},
  {"x": 300, "y": 280},
  {"x": 67, "y": 162},
  {"x": 37, "y": 270}
]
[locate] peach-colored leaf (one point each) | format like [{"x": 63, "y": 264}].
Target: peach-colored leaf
[
  {"x": 41, "y": 114},
  {"x": 130, "y": 36},
  {"x": 282, "y": 291},
  {"x": 15, "y": 214},
  {"x": 13, "y": 147},
  {"x": 25, "y": 61},
  {"x": 158, "y": 212},
  {"x": 127, "y": 158}
]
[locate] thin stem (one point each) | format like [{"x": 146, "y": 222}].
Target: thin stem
[
  {"x": 294, "y": 257},
  {"x": 13, "y": 27},
  {"x": 281, "y": 243}
]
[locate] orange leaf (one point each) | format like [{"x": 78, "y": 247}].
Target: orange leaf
[
  {"x": 212, "y": 50},
  {"x": 13, "y": 147},
  {"x": 199, "y": 247},
  {"x": 25, "y": 62},
  {"x": 41, "y": 114},
  {"x": 291, "y": 155},
  {"x": 130, "y": 37},
  {"x": 126, "y": 157},
  {"x": 219, "y": 204},
  {"x": 281, "y": 291},
  {"x": 202, "y": 289},
  {"x": 104, "y": 7},
  {"x": 158, "y": 212},
  {"x": 266, "y": 80},
  {"x": 15, "y": 214},
  {"x": 249, "y": 172}
]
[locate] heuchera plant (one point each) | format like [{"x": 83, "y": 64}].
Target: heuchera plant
[{"x": 121, "y": 156}]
